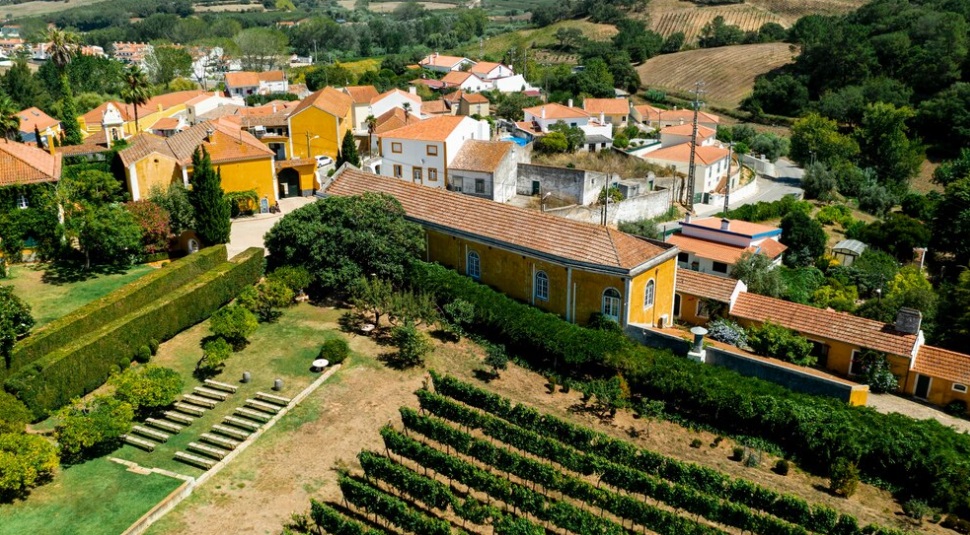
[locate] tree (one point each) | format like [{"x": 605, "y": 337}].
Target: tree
[
  {"x": 772, "y": 340},
  {"x": 897, "y": 234},
  {"x": 90, "y": 427},
  {"x": 719, "y": 33},
  {"x": 759, "y": 274},
  {"x": 885, "y": 146},
  {"x": 496, "y": 358},
  {"x": 596, "y": 79},
  {"x": 953, "y": 170},
  {"x": 175, "y": 201},
  {"x": 844, "y": 479},
  {"x": 459, "y": 314},
  {"x": 412, "y": 345},
  {"x": 15, "y": 320},
  {"x": 212, "y": 210},
  {"x": 342, "y": 239},
  {"x": 372, "y": 295},
  {"x": 552, "y": 143},
  {"x": 371, "y": 123},
  {"x": 215, "y": 352},
  {"x": 14, "y": 415},
  {"x": 147, "y": 387},
  {"x": 804, "y": 237},
  {"x": 9, "y": 120},
  {"x": 568, "y": 37},
  {"x": 61, "y": 50},
  {"x": 25, "y": 461},
  {"x": 575, "y": 137},
  {"x": 673, "y": 43},
  {"x": 646, "y": 228},
  {"x": 945, "y": 118},
  {"x": 260, "y": 48},
  {"x": 154, "y": 223},
  {"x": 166, "y": 63},
  {"x": 295, "y": 278},
  {"x": 820, "y": 182},
  {"x": 951, "y": 227},
  {"x": 815, "y": 138},
  {"x": 136, "y": 90},
  {"x": 266, "y": 299},
  {"x": 348, "y": 151},
  {"x": 20, "y": 84},
  {"x": 770, "y": 145},
  {"x": 234, "y": 324},
  {"x": 781, "y": 94}
]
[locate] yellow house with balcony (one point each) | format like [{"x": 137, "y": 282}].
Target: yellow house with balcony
[
  {"x": 566, "y": 267},
  {"x": 156, "y": 108},
  {"x": 318, "y": 124}
]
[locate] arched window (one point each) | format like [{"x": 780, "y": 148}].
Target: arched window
[
  {"x": 542, "y": 285},
  {"x": 648, "y": 294},
  {"x": 473, "y": 267},
  {"x": 611, "y": 304}
]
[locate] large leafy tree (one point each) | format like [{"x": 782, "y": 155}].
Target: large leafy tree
[
  {"x": 759, "y": 274},
  {"x": 951, "y": 227},
  {"x": 342, "y": 239},
  {"x": 104, "y": 231},
  {"x": 15, "y": 320},
  {"x": 25, "y": 461},
  {"x": 166, "y": 62},
  {"x": 23, "y": 87},
  {"x": 147, "y": 387},
  {"x": 136, "y": 89},
  {"x": 86, "y": 428},
  {"x": 212, "y": 211},
  {"x": 885, "y": 146},
  {"x": 817, "y": 139},
  {"x": 62, "y": 48},
  {"x": 804, "y": 237}
]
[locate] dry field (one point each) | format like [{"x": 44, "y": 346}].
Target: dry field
[
  {"x": 791, "y": 10},
  {"x": 33, "y": 9},
  {"x": 727, "y": 72},
  {"x": 540, "y": 38},
  {"x": 387, "y": 7},
  {"x": 228, "y": 8},
  {"x": 692, "y": 20}
]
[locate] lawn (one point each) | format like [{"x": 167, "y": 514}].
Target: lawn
[
  {"x": 51, "y": 295},
  {"x": 94, "y": 498}
]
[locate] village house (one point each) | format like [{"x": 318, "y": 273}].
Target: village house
[
  {"x": 422, "y": 152},
  {"x": 34, "y": 122},
  {"x": 615, "y": 111},
  {"x": 487, "y": 70},
  {"x": 438, "y": 63},
  {"x": 465, "y": 81},
  {"x": 473, "y": 104},
  {"x": 710, "y": 165},
  {"x": 318, "y": 123},
  {"x": 360, "y": 98},
  {"x": 166, "y": 105},
  {"x": 659, "y": 118},
  {"x": 486, "y": 169},
  {"x": 713, "y": 245},
  {"x": 246, "y": 83},
  {"x": 131, "y": 53},
  {"x": 538, "y": 119},
  {"x": 396, "y": 98},
  {"x": 28, "y": 175}
]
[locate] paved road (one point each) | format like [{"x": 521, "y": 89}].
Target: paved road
[{"x": 249, "y": 231}]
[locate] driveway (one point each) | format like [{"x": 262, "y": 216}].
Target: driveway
[
  {"x": 249, "y": 231},
  {"x": 889, "y": 403}
]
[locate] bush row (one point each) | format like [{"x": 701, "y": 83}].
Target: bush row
[
  {"x": 142, "y": 292},
  {"x": 922, "y": 458},
  {"x": 85, "y": 364}
]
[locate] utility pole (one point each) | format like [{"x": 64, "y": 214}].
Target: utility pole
[
  {"x": 727, "y": 188},
  {"x": 693, "y": 148}
]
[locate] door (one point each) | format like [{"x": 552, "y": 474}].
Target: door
[
  {"x": 535, "y": 187},
  {"x": 676, "y": 305},
  {"x": 289, "y": 181},
  {"x": 922, "y": 389}
]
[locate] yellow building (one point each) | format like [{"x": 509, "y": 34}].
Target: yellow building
[
  {"x": 318, "y": 124},
  {"x": 33, "y": 121},
  {"x": 569, "y": 268},
  {"x": 701, "y": 297},
  {"x": 244, "y": 162},
  {"x": 149, "y": 113}
]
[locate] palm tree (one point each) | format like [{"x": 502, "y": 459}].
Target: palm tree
[
  {"x": 371, "y": 123},
  {"x": 136, "y": 89},
  {"x": 9, "y": 121},
  {"x": 63, "y": 45}
]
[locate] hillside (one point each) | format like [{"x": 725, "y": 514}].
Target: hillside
[
  {"x": 540, "y": 38},
  {"x": 727, "y": 72}
]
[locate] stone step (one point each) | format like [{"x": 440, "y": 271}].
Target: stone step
[
  {"x": 221, "y": 386},
  {"x": 209, "y": 393},
  {"x": 194, "y": 460},
  {"x": 230, "y": 432},
  {"x": 179, "y": 417},
  {"x": 192, "y": 410},
  {"x": 200, "y": 401},
  {"x": 157, "y": 436},
  {"x": 252, "y": 415},
  {"x": 272, "y": 398},
  {"x": 222, "y": 442},
  {"x": 163, "y": 425},
  {"x": 263, "y": 406},
  {"x": 211, "y": 451},
  {"x": 239, "y": 422},
  {"x": 146, "y": 445}
]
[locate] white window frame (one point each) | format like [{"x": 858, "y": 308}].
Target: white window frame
[
  {"x": 955, "y": 389},
  {"x": 22, "y": 202},
  {"x": 541, "y": 286},
  {"x": 473, "y": 265},
  {"x": 852, "y": 360},
  {"x": 609, "y": 302},
  {"x": 649, "y": 294},
  {"x": 700, "y": 304}
]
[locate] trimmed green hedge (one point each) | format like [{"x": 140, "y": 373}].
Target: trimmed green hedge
[
  {"x": 80, "y": 367},
  {"x": 140, "y": 293}
]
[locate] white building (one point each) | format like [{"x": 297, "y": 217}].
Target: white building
[
  {"x": 487, "y": 70},
  {"x": 422, "y": 152},
  {"x": 438, "y": 63},
  {"x": 676, "y": 135},
  {"x": 207, "y": 102},
  {"x": 245, "y": 83},
  {"x": 487, "y": 169},
  {"x": 395, "y": 98},
  {"x": 512, "y": 84},
  {"x": 361, "y": 97},
  {"x": 538, "y": 119},
  {"x": 713, "y": 245},
  {"x": 710, "y": 164},
  {"x": 466, "y": 81}
]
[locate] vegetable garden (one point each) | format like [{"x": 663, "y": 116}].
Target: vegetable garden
[{"x": 469, "y": 459}]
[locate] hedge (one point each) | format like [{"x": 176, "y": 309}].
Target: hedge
[
  {"x": 920, "y": 458},
  {"x": 138, "y": 294},
  {"x": 78, "y": 368}
]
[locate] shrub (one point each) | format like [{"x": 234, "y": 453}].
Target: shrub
[
  {"x": 781, "y": 467},
  {"x": 772, "y": 340},
  {"x": 412, "y": 344},
  {"x": 753, "y": 460},
  {"x": 737, "y": 453},
  {"x": 727, "y": 331},
  {"x": 916, "y": 509},
  {"x": 266, "y": 299},
  {"x": 957, "y": 524},
  {"x": 234, "y": 323},
  {"x": 835, "y": 213},
  {"x": 334, "y": 350},
  {"x": 14, "y": 415},
  {"x": 25, "y": 461},
  {"x": 143, "y": 354},
  {"x": 496, "y": 358},
  {"x": 3, "y": 268},
  {"x": 696, "y": 443},
  {"x": 94, "y": 426},
  {"x": 153, "y": 346},
  {"x": 215, "y": 352},
  {"x": 844, "y": 478},
  {"x": 296, "y": 278},
  {"x": 601, "y": 322},
  {"x": 957, "y": 408},
  {"x": 458, "y": 314},
  {"x": 148, "y": 387}
]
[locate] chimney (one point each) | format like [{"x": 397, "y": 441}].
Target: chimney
[
  {"x": 274, "y": 108},
  {"x": 544, "y": 112},
  {"x": 687, "y": 217},
  {"x": 908, "y": 320},
  {"x": 725, "y": 224},
  {"x": 209, "y": 135},
  {"x": 602, "y": 118},
  {"x": 570, "y": 103},
  {"x": 413, "y": 90}
]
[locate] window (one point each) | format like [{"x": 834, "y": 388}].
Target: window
[
  {"x": 855, "y": 366},
  {"x": 703, "y": 311},
  {"x": 21, "y": 202},
  {"x": 719, "y": 267},
  {"x": 542, "y": 285},
  {"x": 957, "y": 387},
  {"x": 611, "y": 304},
  {"x": 479, "y": 185},
  {"x": 648, "y": 294},
  {"x": 432, "y": 150},
  {"x": 398, "y": 173},
  {"x": 432, "y": 174},
  {"x": 396, "y": 148},
  {"x": 683, "y": 257},
  {"x": 417, "y": 173},
  {"x": 474, "y": 265}
]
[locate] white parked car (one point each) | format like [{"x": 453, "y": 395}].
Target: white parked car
[{"x": 323, "y": 161}]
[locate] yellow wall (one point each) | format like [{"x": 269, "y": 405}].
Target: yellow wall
[
  {"x": 255, "y": 174},
  {"x": 663, "y": 300},
  {"x": 318, "y": 123},
  {"x": 155, "y": 170},
  {"x": 941, "y": 390},
  {"x": 688, "y": 310},
  {"x": 146, "y": 118}
]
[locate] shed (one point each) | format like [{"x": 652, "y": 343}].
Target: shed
[{"x": 847, "y": 251}]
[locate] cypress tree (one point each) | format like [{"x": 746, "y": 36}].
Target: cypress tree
[
  {"x": 212, "y": 211},
  {"x": 348, "y": 151},
  {"x": 72, "y": 129}
]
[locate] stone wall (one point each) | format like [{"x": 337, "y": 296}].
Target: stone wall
[
  {"x": 568, "y": 186},
  {"x": 646, "y": 206}
]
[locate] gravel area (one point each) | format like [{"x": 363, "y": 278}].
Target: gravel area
[{"x": 887, "y": 403}]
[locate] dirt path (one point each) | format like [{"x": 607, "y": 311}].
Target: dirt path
[{"x": 888, "y": 403}]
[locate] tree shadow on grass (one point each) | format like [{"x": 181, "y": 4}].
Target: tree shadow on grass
[{"x": 71, "y": 272}]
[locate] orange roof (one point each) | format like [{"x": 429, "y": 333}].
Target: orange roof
[
  {"x": 361, "y": 94},
  {"x": 434, "y": 107},
  {"x": 681, "y": 153},
  {"x": 687, "y": 116},
  {"x": 227, "y": 144},
  {"x": 704, "y": 285},
  {"x": 608, "y": 106},
  {"x": 296, "y": 162},
  {"x": 328, "y": 99},
  {"x": 555, "y": 111},
  {"x": 729, "y": 254},
  {"x": 166, "y": 101},
  {"x": 392, "y": 120},
  {"x": 165, "y": 123},
  {"x": 395, "y": 91},
  {"x": 840, "y": 326},
  {"x": 27, "y": 164},
  {"x": 736, "y": 226},
  {"x": 271, "y": 76},
  {"x": 437, "y": 60},
  {"x": 687, "y": 129},
  {"x": 510, "y": 227},
  {"x": 943, "y": 364},
  {"x": 456, "y": 77},
  {"x": 474, "y": 98},
  {"x": 770, "y": 247},
  {"x": 648, "y": 112},
  {"x": 484, "y": 67},
  {"x": 436, "y": 128},
  {"x": 242, "y": 79},
  {"x": 482, "y": 156},
  {"x": 32, "y": 118}
]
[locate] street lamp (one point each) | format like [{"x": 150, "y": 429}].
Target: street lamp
[{"x": 308, "y": 139}]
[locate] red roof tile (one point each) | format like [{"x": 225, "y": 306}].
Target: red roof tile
[
  {"x": 720, "y": 252},
  {"x": 34, "y": 118},
  {"x": 736, "y": 226},
  {"x": 361, "y": 94},
  {"x": 328, "y": 99},
  {"x": 943, "y": 364},
  {"x": 436, "y": 128},
  {"x": 681, "y": 153},
  {"x": 556, "y": 111},
  {"x": 26, "y": 164},
  {"x": 482, "y": 156},
  {"x": 608, "y": 106},
  {"x": 704, "y": 285},
  {"x": 242, "y": 79}
]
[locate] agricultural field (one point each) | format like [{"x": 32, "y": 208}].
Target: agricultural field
[
  {"x": 692, "y": 20},
  {"x": 540, "y": 38},
  {"x": 791, "y": 10},
  {"x": 33, "y": 9},
  {"x": 727, "y": 72},
  {"x": 388, "y": 7}
]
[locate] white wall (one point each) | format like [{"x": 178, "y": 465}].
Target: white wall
[
  {"x": 475, "y": 84},
  {"x": 281, "y": 86},
  {"x": 669, "y": 140},
  {"x": 414, "y": 154},
  {"x": 394, "y": 100},
  {"x": 511, "y": 84}
]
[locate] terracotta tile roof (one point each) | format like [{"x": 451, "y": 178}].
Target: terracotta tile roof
[
  {"x": 166, "y": 101},
  {"x": 297, "y": 162},
  {"x": 456, "y": 77},
  {"x": 687, "y": 116},
  {"x": 736, "y": 226},
  {"x": 228, "y": 144},
  {"x": 434, "y": 107},
  {"x": 165, "y": 123},
  {"x": 484, "y": 67},
  {"x": 703, "y": 132},
  {"x": 437, "y": 60},
  {"x": 94, "y": 144},
  {"x": 515, "y": 228},
  {"x": 483, "y": 156},
  {"x": 34, "y": 118},
  {"x": 943, "y": 364},
  {"x": 392, "y": 120},
  {"x": 26, "y": 164},
  {"x": 704, "y": 285},
  {"x": 530, "y": 127},
  {"x": 298, "y": 89},
  {"x": 433, "y": 84},
  {"x": 475, "y": 98},
  {"x": 143, "y": 144},
  {"x": 608, "y": 106},
  {"x": 361, "y": 94},
  {"x": 829, "y": 324},
  {"x": 432, "y": 129},
  {"x": 271, "y": 76},
  {"x": 729, "y": 254},
  {"x": 770, "y": 247},
  {"x": 648, "y": 112},
  {"x": 328, "y": 99},
  {"x": 556, "y": 111},
  {"x": 242, "y": 79},
  {"x": 681, "y": 153},
  {"x": 405, "y": 94}
]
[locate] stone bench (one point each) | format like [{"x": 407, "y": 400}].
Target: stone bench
[
  {"x": 239, "y": 422},
  {"x": 263, "y": 406},
  {"x": 179, "y": 417},
  {"x": 194, "y": 460},
  {"x": 252, "y": 415},
  {"x": 216, "y": 440},
  {"x": 163, "y": 425},
  {"x": 193, "y": 410},
  {"x": 272, "y": 398},
  {"x": 221, "y": 386},
  {"x": 230, "y": 432},
  {"x": 139, "y": 442},
  {"x": 157, "y": 436},
  {"x": 200, "y": 401},
  {"x": 209, "y": 393},
  {"x": 211, "y": 451}
]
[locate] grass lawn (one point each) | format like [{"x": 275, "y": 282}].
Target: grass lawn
[
  {"x": 94, "y": 498},
  {"x": 51, "y": 300}
]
